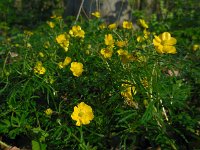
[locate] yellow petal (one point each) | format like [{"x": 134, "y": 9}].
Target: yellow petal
[
  {"x": 85, "y": 120},
  {"x": 67, "y": 61},
  {"x": 159, "y": 49},
  {"x": 156, "y": 41},
  {"x": 169, "y": 49},
  {"x": 171, "y": 41},
  {"x": 165, "y": 36},
  {"x": 78, "y": 123}
]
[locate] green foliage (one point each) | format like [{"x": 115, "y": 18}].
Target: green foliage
[
  {"x": 162, "y": 109},
  {"x": 28, "y": 13},
  {"x": 38, "y": 146}
]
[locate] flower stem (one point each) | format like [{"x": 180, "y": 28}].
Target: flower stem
[
  {"x": 81, "y": 132},
  {"x": 2, "y": 144},
  {"x": 79, "y": 11}
]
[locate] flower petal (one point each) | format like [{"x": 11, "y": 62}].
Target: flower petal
[
  {"x": 165, "y": 36},
  {"x": 171, "y": 41},
  {"x": 159, "y": 49},
  {"x": 169, "y": 49},
  {"x": 156, "y": 41}
]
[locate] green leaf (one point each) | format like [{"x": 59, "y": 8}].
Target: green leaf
[{"x": 38, "y": 146}]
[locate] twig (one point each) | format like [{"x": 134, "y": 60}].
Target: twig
[
  {"x": 2, "y": 144},
  {"x": 79, "y": 11}
]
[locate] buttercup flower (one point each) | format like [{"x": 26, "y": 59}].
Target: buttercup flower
[
  {"x": 48, "y": 111},
  {"x": 195, "y": 47},
  {"x": 39, "y": 68},
  {"x": 51, "y": 24},
  {"x": 63, "y": 41},
  {"x": 89, "y": 46},
  {"x": 122, "y": 52},
  {"x": 125, "y": 56},
  {"x": 139, "y": 57},
  {"x": 41, "y": 54},
  {"x": 121, "y": 43},
  {"x": 76, "y": 31},
  {"x": 28, "y": 45},
  {"x": 67, "y": 61},
  {"x": 140, "y": 39},
  {"x": 29, "y": 33},
  {"x": 60, "y": 65},
  {"x": 96, "y": 14},
  {"x": 109, "y": 40},
  {"x": 82, "y": 114},
  {"x": 128, "y": 91},
  {"x": 143, "y": 24},
  {"x": 146, "y": 33},
  {"x": 102, "y": 26},
  {"x": 112, "y": 26},
  {"x": 127, "y": 25},
  {"x": 164, "y": 43},
  {"x": 76, "y": 68},
  {"x": 46, "y": 44},
  {"x": 49, "y": 79},
  {"x": 144, "y": 37},
  {"x": 106, "y": 52},
  {"x": 145, "y": 82},
  {"x": 56, "y": 17}
]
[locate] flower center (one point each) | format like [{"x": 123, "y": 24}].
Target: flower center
[
  {"x": 163, "y": 42},
  {"x": 80, "y": 114}
]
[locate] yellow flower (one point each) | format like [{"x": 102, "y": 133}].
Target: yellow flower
[
  {"x": 29, "y": 33},
  {"x": 139, "y": 57},
  {"x": 125, "y": 56},
  {"x": 82, "y": 114},
  {"x": 112, "y": 26},
  {"x": 46, "y": 44},
  {"x": 127, "y": 25},
  {"x": 51, "y": 24},
  {"x": 146, "y": 33},
  {"x": 143, "y": 24},
  {"x": 96, "y": 14},
  {"x": 144, "y": 37},
  {"x": 145, "y": 102},
  {"x": 195, "y": 47},
  {"x": 28, "y": 45},
  {"x": 60, "y": 38},
  {"x": 102, "y": 26},
  {"x": 67, "y": 61},
  {"x": 89, "y": 46},
  {"x": 76, "y": 31},
  {"x": 145, "y": 82},
  {"x": 49, "y": 79},
  {"x": 164, "y": 43},
  {"x": 63, "y": 41},
  {"x": 41, "y": 54},
  {"x": 122, "y": 52},
  {"x": 109, "y": 40},
  {"x": 56, "y": 17},
  {"x": 60, "y": 65},
  {"x": 121, "y": 43},
  {"x": 76, "y": 68},
  {"x": 140, "y": 39},
  {"x": 128, "y": 90},
  {"x": 48, "y": 111},
  {"x": 87, "y": 52},
  {"x": 106, "y": 52},
  {"x": 17, "y": 45},
  {"x": 39, "y": 68}
]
